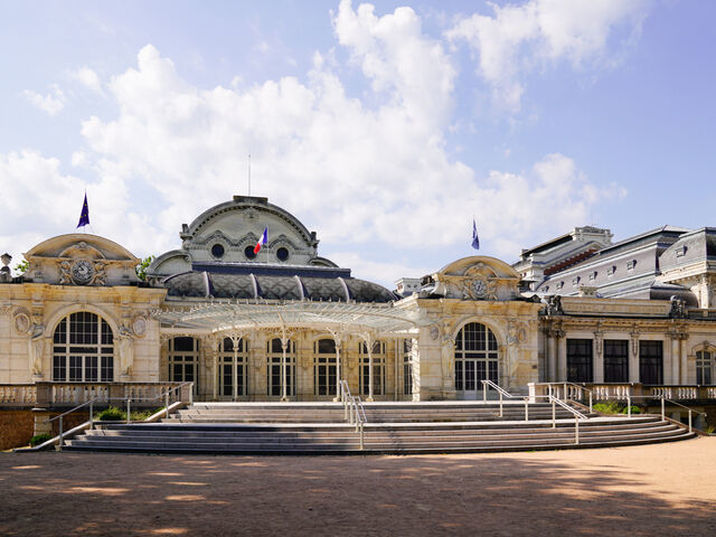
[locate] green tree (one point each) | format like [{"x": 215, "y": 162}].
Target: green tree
[
  {"x": 22, "y": 267},
  {"x": 142, "y": 267}
]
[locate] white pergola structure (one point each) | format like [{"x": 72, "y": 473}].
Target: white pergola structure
[{"x": 234, "y": 319}]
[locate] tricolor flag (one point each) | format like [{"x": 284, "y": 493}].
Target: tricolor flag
[
  {"x": 84, "y": 215},
  {"x": 262, "y": 241},
  {"x": 475, "y": 238}
]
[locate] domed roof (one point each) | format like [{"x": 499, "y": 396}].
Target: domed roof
[{"x": 196, "y": 284}]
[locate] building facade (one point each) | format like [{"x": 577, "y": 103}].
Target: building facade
[{"x": 279, "y": 322}]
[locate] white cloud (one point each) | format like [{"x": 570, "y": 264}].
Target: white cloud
[
  {"x": 88, "y": 78},
  {"x": 517, "y": 38},
  {"x": 369, "y": 179},
  {"x": 52, "y": 103}
]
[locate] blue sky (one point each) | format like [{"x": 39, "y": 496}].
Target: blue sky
[{"x": 384, "y": 127}]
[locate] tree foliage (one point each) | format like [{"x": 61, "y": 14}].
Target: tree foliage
[{"x": 142, "y": 267}]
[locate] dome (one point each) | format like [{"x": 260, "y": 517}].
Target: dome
[{"x": 196, "y": 284}]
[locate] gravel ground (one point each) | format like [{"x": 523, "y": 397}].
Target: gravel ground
[{"x": 657, "y": 490}]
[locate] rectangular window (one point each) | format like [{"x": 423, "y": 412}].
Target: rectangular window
[
  {"x": 90, "y": 369},
  {"x": 59, "y": 366},
  {"x": 579, "y": 360},
  {"x": 107, "y": 369},
  {"x": 703, "y": 368},
  {"x": 75, "y": 368},
  {"x": 407, "y": 368},
  {"x": 378, "y": 376},
  {"x": 616, "y": 360},
  {"x": 324, "y": 376},
  {"x": 651, "y": 362}
]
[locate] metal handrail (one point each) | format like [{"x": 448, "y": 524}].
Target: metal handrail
[
  {"x": 354, "y": 410},
  {"x": 61, "y": 416},
  {"x": 576, "y": 413},
  {"x": 663, "y": 408},
  {"x": 91, "y": 402},
  {"x": 501, "y": 391}
]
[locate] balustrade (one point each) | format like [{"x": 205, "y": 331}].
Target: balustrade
[{"x": 45, "y": 394}]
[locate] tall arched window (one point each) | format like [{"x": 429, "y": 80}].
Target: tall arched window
[
  {"x": 324, "y": 367},
  {"x": 475, "y": 359},
  {"x": 232, "y": 367},
  {"x": 184, "y": 360},
  {"x": 83, "y": 349},
  {"x": 378, "y": 355},
  {"x": 274, "y": 374}
]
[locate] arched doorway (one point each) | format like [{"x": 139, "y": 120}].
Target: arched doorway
[{"x": 475, "y": 360}]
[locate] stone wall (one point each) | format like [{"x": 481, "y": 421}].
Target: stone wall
[{"x": 16, "y": 428}]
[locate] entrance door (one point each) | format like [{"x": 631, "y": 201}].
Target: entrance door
[{"x": 475, "y": 360}]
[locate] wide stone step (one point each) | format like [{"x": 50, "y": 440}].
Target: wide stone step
[{"x": 378, "y": 438}]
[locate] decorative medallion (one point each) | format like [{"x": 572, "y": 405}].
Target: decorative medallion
[
  {"x": 479, "y": 287},
  {"x": 139, "y": 326},
  {"x": 22, "y": 323},
  {"x": 82, "y": 272}
]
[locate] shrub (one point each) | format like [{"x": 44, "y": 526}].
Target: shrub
[
  {"x": 39, "y": 439},
  {"x": 608, "y": 407},
  {"x": 614, "y": 407},
  {"x": 111, "y": 413},
  {"x": 141, "y": 415}
]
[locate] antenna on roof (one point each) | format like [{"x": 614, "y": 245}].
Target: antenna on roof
[{"x": 249, "y": 174}]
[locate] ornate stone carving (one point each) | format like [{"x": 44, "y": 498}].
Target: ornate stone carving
[
  {"x": 554, "y": 305},
  {"x": 516, "y": 331},
  {"x": 678, "y": 308},
  {"x": 22, "y": 323},
  {"x": 82, "y": 272},
  {"x": 139, "y": 326}
]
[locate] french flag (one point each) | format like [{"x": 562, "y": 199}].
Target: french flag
[{"x": 262, "y": 241}]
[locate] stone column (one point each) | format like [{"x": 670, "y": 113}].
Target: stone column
[
  {"x": 682, "y": 359},
  {"x": 369, "y": 345},
  {"x": 598, "y": 354},
  {"x": 561, "y": 344},
  {"x": 634, "y": 357},
  {"x": 551, "y": 358},
  {"x": 674, "y": 357}
]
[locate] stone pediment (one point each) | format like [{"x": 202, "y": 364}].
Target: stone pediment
[
  {"x": 81, "y": 259},
  {"x": 477, "y": 278}
]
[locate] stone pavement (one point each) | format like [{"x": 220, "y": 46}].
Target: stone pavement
[{"x": 656, "y": 490}]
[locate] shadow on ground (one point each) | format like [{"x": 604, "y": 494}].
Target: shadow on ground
[{"x": 103, "y": 494}]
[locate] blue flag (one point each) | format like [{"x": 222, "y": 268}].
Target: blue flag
[
  {"x": 475, "y": 238},
  {"x": 84, "y": 215}
]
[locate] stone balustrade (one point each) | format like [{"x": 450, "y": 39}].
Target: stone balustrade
[
  {"x": 51, "y": 394},
  {"x": 602, "y": 392}
]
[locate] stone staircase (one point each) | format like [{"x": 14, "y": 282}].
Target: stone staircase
[{"x": 313, "y": 428}]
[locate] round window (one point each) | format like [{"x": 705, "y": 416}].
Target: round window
[
  {"x": 282, "y": 254},
  {"x": 249, "y": 252},
  {"x": 217, "y": 251}
]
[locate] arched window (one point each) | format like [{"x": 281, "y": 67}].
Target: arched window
[
  {"x": 475, "y": 359},
  {"x": 324, "y": 367},
  {"x": 704, "y": 366},
  {"x": 83, "y": 349},
  {"x": 274, "y": 374},
  {"x": 378, "y": 355},
  {"x": 233, "y": 367},
  {"x": 184, "y": 360}
]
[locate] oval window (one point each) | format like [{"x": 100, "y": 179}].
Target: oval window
[
  {"x": 282, "y": 254},
  {"x": 249, "y": 252},
  {"x": 217, "y": 251}
]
